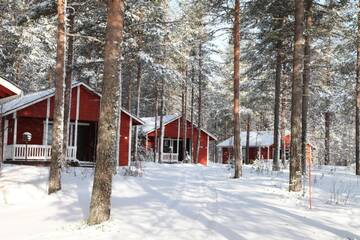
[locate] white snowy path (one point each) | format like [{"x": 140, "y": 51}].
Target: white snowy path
[{"x": 179, "y": 202}]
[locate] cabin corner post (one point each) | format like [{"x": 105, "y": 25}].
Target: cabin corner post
[
  {"x": 130, "y": 140},
  {"x": 77, "y": 118},
  {"x": 46, "y": 157},
  {"x": 5, "y": 137},
  {"x": 15, "y": 135},
  {"x": 178, "y": 138}
]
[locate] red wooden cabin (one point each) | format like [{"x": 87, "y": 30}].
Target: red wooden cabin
[
  {"x": 174, "y": 138},
  {"x": 261, "y": 146},
  {"x": 34, "y": 113}
]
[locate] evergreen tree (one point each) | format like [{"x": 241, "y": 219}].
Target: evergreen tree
[
  {"x": 109, "y": 120},
  {"x": 57, "y": 153}
]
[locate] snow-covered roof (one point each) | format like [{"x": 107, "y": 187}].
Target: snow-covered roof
[
  {"x": 24, "y": 101},
  {"x": 32, "y": 98},
  {"x": 149, "y": 124},
  {"x": 257, "y": 139},
  {"x": 12, "y": 87}
]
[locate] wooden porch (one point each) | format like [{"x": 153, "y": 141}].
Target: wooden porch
[{"x": 21, "y": 152}]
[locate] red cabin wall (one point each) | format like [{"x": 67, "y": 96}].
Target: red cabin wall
[
  {"x": 33, "y": 125},
  {"x": 88, "y": 110},
  {"x": 5, "y": 92},
  {"x": 89, "y": 105},
  {"x": 203, "y": 146},
  {"x": 124, "y": 140}
]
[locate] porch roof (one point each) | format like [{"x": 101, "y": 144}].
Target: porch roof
[
  {"x": 24, "y": 101},
  {"x": 149, "y": 124}
]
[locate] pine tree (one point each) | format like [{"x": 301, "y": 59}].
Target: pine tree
[
  {"x": 57, "y": 154},
  {"x": 306, "y": 82},
  {"x": 357, "y": 111},
  {"x": 295, "y": 147},
  {"x": 237, "y": 145},
  {"x": 199, "y": 113},
  {"x": 68, "y": 80},
  {"x": 109, "y": 120}
]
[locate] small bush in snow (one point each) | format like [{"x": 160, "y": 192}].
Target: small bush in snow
[
  {"x": 341, "y": 192},
  {"x": 261, "y": 166}
]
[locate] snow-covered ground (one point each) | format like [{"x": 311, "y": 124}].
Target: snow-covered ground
[{"x": 181, "y": 202}]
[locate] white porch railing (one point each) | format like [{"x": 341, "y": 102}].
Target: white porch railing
[
  {"x": 34, "y": 152},
  {"x": 169, "y": 157}
]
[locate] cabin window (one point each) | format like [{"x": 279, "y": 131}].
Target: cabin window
[
  {"x": 49, "y": 134},
  {"x": 167, "y": 146}
]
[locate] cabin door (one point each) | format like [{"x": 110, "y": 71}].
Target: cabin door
[
  {"x": 86, "y": 142},
  {"x": 181, "y": 142}
]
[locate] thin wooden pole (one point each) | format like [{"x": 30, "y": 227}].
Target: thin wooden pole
[
  {"x": 310, "y": 190},
  {"x": 47, "y": 124},
  {"x": 15, "y": 134}
]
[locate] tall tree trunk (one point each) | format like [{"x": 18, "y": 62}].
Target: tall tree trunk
[
  {"x": 129, "y": 92},
  {"x": 192, "y": 116},
  {"x": 57, "y": 154},
  {"x": 295, "y": 148},
  {"x": 198, "y": 136},
  {"x": 161, "y": 142},
  {"x": 237, "y": 142},
  {"x": 248, "y": 123},
  {"x": 357, "y": 117},
  {"x": 327, "y": 117},
  {"x": 282, "y": 130},
  {"x": 328, "y": 113},
  {"x": 109, "y": 119},
  {"x": 156, "y": 118},
  {"x": 306, "y": 82},
  {"x": 184, "y": 121},
  {"x": 216, "y": 159},
  {"x": 279, "y": 56},
  {"x": 138, "y": 92},
  {"x": 68, "y": 81}
]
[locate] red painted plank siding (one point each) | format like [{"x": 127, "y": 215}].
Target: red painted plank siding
[
  {"x": 124, "y": 140},
  {"x": 33, "y": 125},
  {"x": 88, "y": 111},
  {"x": 5, "y": 92},
  {"x": 89, "y": 105}
]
